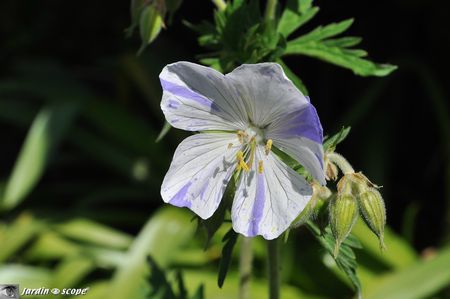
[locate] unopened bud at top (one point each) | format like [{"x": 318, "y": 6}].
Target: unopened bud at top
[{"x": 151, "y": 21}]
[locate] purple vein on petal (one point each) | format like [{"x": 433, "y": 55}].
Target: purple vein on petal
[
  {"x": 186, "y": 93},
  {"x": 304, "y": 123},
  {"x": 258, "y": 206},
  {"x": 179, "y": 199}
]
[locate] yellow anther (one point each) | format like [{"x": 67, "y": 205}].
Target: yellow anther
[
  {"x": 260, "y": 166},
  {"x": 268, "y": 146},
  {"x": 241, "y": 162},
  {"x": 230, "y": 145}
]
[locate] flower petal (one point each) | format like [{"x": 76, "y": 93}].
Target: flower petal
[
  {"x": 266, "y": 203},
  {"x": 308, "y": 153},
  {"x": 299, "y": 134},
  {"x": 197, "y": 98},
  {"x": 199, "y": 173},
  {"x": 266, "y": 91}
]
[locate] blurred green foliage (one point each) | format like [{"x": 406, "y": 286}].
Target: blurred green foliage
[{"x": 75, "y": 202}]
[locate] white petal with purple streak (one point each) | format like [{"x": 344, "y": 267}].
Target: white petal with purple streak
[
  {"x": 266, "y": 203},
  {"x": 198, "y": 98},
  {"x": 266, "y": 92},
  {"x": 199, "y": 173},
  {"x": 308, "y": 153}
]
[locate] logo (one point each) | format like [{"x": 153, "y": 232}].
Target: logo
[{"x": 9, "y": 291}]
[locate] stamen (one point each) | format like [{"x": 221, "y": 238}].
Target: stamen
[
  {"x": 268, "y": 146},
  {"x": 260, "y": 166},
  {"x": 230, "y": 145},
  {"x": 241, "y": 136},
  {"x": 241, "y": 162},
  {"x": 252, "y": 152}
]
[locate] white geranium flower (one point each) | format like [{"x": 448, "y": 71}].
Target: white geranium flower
[{"x": 240, "y": 116}]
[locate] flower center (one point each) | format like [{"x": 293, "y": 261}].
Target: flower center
[
  {"x": 250, "y": 138},
  {"x": 251, "y": 135},
  {"x": 256, "y": 133}
]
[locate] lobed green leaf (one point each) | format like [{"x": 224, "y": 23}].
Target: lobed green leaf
[
  {"x": 296, "y": 14},
  {"x": 341, "y": 57}
]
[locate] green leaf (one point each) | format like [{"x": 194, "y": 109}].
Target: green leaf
[
  {"x": 71, "y": 271},
  {"x": 331, "y": 142},
  {"x": 159, "y": 286},
  {"x": 162, "y": 237},
  {"x": 199, "y": 294},
  {"x": 182, "y": 292},
  {"x": 50, "y": 246},
  {"x": 346, "y": 259},
  {"x": 230, "y": 240},
  {"x": 296, "y": 14},
  {"x": 343, "y": 42},
  {"x": 88, "y": 231},
  {"x": 340, "y": 57},
  {"x": 420, "y": 280},
  {"x": 293, "y": 77},
  {"x": 322, "y": 32},
  {"x": 29, "y": 276},
  {"x": 16, "y": 235},
  {"x": 399, "y": 253},
  {"x": 45, "y": 134}
]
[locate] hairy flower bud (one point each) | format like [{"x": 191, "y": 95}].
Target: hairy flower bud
[
  {"x": 315, "y": 204},
  {"x": 343, "y": 214},
  {"x": 372, "y": 207}
]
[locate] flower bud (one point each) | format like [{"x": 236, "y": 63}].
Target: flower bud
[
  {"x": 372, "y": 207},
  {"x": 151, "y": 21},
  {"x": 343, "y": 214},
  {"x": 331, "y": 170},
  {"x": 315, "y": 204}
]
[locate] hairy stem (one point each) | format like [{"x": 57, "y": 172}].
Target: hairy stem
[
  {"x": 341, "y": 162},
  {"x": 270, "y": 10},
  {"x": 245, "y": 268},
  {"x": 273, "y": 260},
  {"x": 220, "y": 4}
]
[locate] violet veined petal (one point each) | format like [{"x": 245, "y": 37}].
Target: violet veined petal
[
  {"x": 199, "y": 173},
  {"x": 300, "y": 135},
  {"x": 301, "y": 123},
  {"x": 198, "y": 98},
  {"x": 266, "y": 92},
  {"x": 305, "y": 151},
  {"x": 266, "y": 203}
]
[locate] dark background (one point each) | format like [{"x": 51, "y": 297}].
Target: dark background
[{"x": 399, "y": 122}]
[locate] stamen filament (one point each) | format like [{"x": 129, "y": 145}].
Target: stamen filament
[{"x": 252, "y": 153}]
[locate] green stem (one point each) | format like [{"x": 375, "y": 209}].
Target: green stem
[
  {"x": 220, "y": 4},
  {"x": 245, "y": 268},
  {"x": 273, "y": 260},
  {"x": 270, "y": 10}
]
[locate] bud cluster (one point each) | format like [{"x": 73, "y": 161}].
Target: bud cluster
[{"x": 356, "y": 195}]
